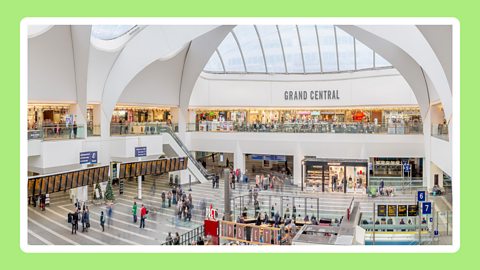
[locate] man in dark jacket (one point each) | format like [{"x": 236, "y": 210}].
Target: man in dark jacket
[{"x": 75, "y": 222}]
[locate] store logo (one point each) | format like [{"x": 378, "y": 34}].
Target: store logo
[{"x": 311, "y": 95}]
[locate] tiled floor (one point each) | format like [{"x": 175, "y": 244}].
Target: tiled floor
[{"x": 51, "y": 227}]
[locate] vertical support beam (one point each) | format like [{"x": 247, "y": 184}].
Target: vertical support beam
[
  {"x": 319, "y": 51},
  {"x": 301, "y": 48},
  {"x": 261, "y": 46},
  {"x": 336, "y": 46},
  {"x": 227, "y": 204},
  {"x": 283, "y": 50},
  {"x": 241, "y": 51}
]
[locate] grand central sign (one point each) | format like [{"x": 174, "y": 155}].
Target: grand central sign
[{"x": 312, "y": 95}]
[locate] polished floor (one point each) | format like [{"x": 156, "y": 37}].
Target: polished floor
[{"x": 50, "y": 227}]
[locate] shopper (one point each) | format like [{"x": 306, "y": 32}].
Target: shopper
[
  {"x": 102, "y": 221},
  {"x": 86, "y": 219},
  {"x": 134, "y": 212},
  {"x": 110, "y": 214},
  {"x": 143, "y": 216},
  {"x": 176, "y": 239},
  {"x": 75, "y": 129},
  {"x": 75, "y": 222},
  {"x": 169, "y": 239},
  {"x": 169, "y": 198}
]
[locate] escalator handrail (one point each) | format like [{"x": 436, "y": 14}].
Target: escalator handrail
[{"x": 202, "y": 170}]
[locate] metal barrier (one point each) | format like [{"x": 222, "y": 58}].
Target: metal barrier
[{"x": 188, "y": 237}]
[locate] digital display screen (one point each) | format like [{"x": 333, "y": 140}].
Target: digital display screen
[
  {"x": 128, "y": 167},
  {"x": 412, "y": 210},
  {"x": 402, "y": 210},
  {"x": 121, "y": 175},
  {"x": 381, "y": 210},
  {"x": 392, "y": 210}
]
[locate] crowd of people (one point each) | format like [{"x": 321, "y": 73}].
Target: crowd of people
[{"x": 79, "y": 215}]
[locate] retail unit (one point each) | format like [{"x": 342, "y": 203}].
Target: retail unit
[{"x": 343, "y": 175}]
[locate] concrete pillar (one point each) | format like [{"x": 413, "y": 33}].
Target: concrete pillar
[
  {"x": 239, "y": 158},
  {"x": 297, "y": 167},
  {"x": 97, "y": 119},
  {"x": 435, "y": 170},
  {"x": 427, "y": 129},
  {"x": 139, "y": 180}
]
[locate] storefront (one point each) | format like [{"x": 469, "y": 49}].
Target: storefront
[
  {"x": 394, "y": 167},
  {"x": 324, "y": 175},
  {"x": 40, "y": 115},
  {"x": 139, "y": 114},
  {"x": 393, "y": 116}
]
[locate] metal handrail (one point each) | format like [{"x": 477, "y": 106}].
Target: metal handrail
[
  {"x": 194, "y": 161},
  {"x": 187, "y": 237}
]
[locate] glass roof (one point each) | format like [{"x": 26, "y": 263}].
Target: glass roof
[
  {"x": 294, "y": 49},
  {"x": 109, "y": 32}
]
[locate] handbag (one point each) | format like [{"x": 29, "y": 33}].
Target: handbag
[{"x": 88, "y": 224}]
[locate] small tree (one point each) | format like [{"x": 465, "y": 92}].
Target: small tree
[{"x": 109, "y": 192}]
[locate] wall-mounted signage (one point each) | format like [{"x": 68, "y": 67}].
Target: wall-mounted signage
[
  {"x": 90, "y": 157},
  {"x": 311, "y": 95},
  {"x": 141, "y": 151}
]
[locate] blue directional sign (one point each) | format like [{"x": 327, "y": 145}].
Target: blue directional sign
[
  {"x": 93, "y": 157},
  {"x": 406, "y": 167},
  {"x": 427, "y": 208},
  {"x": 84, "y": 157},
  {"x": 90, "y": 157},
  {"x": 421, "y": 196},
  {"x": 141, "y": 151}
]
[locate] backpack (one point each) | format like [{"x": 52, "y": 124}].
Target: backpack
[{"x": 69, "y": 218}]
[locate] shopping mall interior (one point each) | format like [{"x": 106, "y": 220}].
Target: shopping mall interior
[{"x": 239, "y": 135}]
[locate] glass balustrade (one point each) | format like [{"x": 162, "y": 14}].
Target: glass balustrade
[
  {"x": 440, "y": 131},
  {"x": 93, "y": 130},
  {"x": 322, "y": 127},
  {"x": 57, "y": 132},
  {"x": 136, "y": 129}
]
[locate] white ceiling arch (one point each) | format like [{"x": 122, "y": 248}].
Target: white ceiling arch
[
  {"x": 151, "y": 44},
  {"x": 406, "y": 43}
]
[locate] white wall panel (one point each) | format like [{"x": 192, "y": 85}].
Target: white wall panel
[
  {"x": 51, "y": 76},
  {"x": 385, "y": 88}
]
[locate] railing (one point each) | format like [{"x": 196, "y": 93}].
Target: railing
[
  {"x": 322, "y": 127},
  {"x": 57, "y": 132},
  {"x": 396, "y": 182},
  {"x": 189, "y": 237},
  {"x": 193, "y": 160},
  {"x": 93, "y": 130},
  {"x": 440, "y": 131},
  {"x": 139, "y": 128}
]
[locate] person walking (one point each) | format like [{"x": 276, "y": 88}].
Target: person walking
[
  {"x": 143, "y": 216},
  {"x": 82, "y": 219},
  {"x": 169, "y": 198},
  {"x": 109, "y": 214},
  {"x": 75, "y": 222},
  {"x": 176, "y": 240},
  {"x": 102, "y": 221},
  {"x": 134, "y": 212},
  {"x": 169, "y": 239},
  {"x": 86, "y": 218},
  {"x": 75, "y": 127}
]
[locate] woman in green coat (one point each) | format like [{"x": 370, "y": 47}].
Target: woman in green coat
[{"x": 134, "y": 212}]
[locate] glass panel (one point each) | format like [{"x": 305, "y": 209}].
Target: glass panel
[
  {"x": 381, "y": 62},
  {"x": 327, "y": 47},
  {"x": 232, "y": 59},
  {"x": 310, "y": 48},
  {"x": 107, "y": 32},
  {"x": 272, "y": 47},
  {"x": 346, "y": 59},
  {"x": 364, "y": 55},
  {"x": 252, "y": 52},
  {"x": 214, "y": 64},
  {"x": 291, "y": 46}
]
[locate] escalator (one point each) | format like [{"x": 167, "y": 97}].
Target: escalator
[{"x": 178, "y": 148}]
